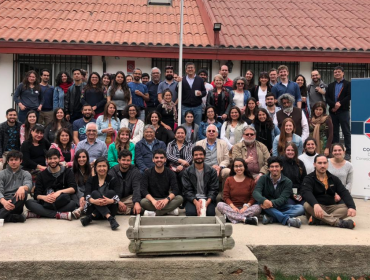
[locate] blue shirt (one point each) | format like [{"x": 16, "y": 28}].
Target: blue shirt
[
  {"x": 150, "y": 146},
  {"x": 153, "y": 94},
  {"x": 47, "y": 93},
  {"x": 338, "y": 88},
  {"x": 79, "y": 125},
  {"x": 173, "y": 88},
  {"x": 292, "y": 88},
  {"x": 138, "y": 100},
  {"x": 211, "y": 147},
  {"x": 96, "y": 150}
]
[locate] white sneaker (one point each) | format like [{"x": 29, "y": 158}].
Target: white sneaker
[
  {"x": 149, "y": 213},
  {"x": 28, "y": 214},
  {"x": 174, "y": 212}
]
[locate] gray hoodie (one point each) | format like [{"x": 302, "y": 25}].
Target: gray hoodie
[{"x": 10, "y": 182}]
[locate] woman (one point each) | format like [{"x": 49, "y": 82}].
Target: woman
[
  {"x": 57, "y": 124},
  {"x": 106, "y": 81},
  {"x": 62, "y": 83},
  {"x": 63, "y": 143},
  {"x": 27, "y": 95},
  {"x": 129, "y": 79},
  {"x": 101, "y": 195},
  {"x": 232, "y": 129},
  {"x": 108, "y": 124},
  {"x": 266, "y": 131},
  {"x": 251, "y": 111},
  {"x": 81, "y": 171},
  {"x": 131, "y": 120},
  {"x": 286, "y": 136},
  {"x": 191, "y": 127},
  {"x": 179, "y": 154},
  {"x": 30, "y": 122},
  {"x": 154, "y": 118},
  {"x": 221, "y": 98},
  {"x": 259, "y": 91},
  {"x": 321, "y": 128},
  {"x": 301, "y": 81},
  {"x": 239, "y": 205},
  {"x": 93, "y": 94},
  {"x": 294, "y": 169},
  {"x": 249, "y": 76},
  {"x": 341, "y": 168},
  {"x": 309, "y": 154},
  {"x": 241, "y": 94},
  {"x": 210, "y": 118},
  {"x": 120, "y": 93},
  {"x": 122, "y": 142},
  {"x": 168, "y": 110}
]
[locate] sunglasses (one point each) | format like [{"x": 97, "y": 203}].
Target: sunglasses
[
  {"x": 240, "y": 83},
  {"x": 249, "y": 134},
  {"x": 212, "y": 131}
]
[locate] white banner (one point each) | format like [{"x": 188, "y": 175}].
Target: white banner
[{"x": 361, "y": 166}]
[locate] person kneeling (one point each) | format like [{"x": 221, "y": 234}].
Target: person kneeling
[
  {"x": 54, "y": 187},
  {"x": 272, "y": 193},
  {"x": 155, "y": 186}
]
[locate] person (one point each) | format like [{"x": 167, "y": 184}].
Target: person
[
  {"x": 106, "y": 79},
  {"x": 272, "y": 193},
  {"x": 101, "y": 195},
  {"x": 309, "y": 154},
  {"x": 9, "y": 135},
  {"x": 145, "y": 147},
  {"x": 287, "y": 135},
  {"x": 316, "y": 89},
  {"x": 95, "y": 147},
  {"x": 340, "y": 167},
  {"x": 200, "y": 183},
  {"x": 271, "y": 107},
  {"x": 79, "y": 126},
  {"x": 210, "y": 118},
  {"x": 129, "y": 178},
  {"x": 241, "y": 94},
  {"x": 139, "y": 93},
  {"x": 221, "y": 98},
  {"x": 47, "y": 92},
  {"x": 203, "y": 73},
  {"x": 169, "y": 83},
  {"x": 301, "y": 82},
  {"x": 321, "y": 128},
  {"x": 121, "y": 143},
  {"x": 155, "y": 119},
  {"x": 191, "y": 127},
  {"x": 119, "y": 93},
  {"x": 254, "y": 153},
  {"x": 72, "y": 101},
  {"x": 338, "y": 97},
  {"x": 231, "y": 130},
  {"x": 288, "y": 111},
  {"x": 250, "y": 111},
  {"x": 259, "y": 91},
  {"x": 156, "y": 184},
  {"x": 29, "y": 123},
  {"x": 84, "y": 75},
  {"x": 167, "y": 110},
  {"x": 287, "y": 86},
  {"x": 152, "y": 86},
  {"x": 294, "y": 169},
  {"x": 131, "y": 121},
  {"x": 129, "y": 78},
  {"x": 56, "y": 124},
  {"x": 93, "y": 94},
  {"x": 193, "y": 90},
  {"x": 273, "y": 77},
  {"x": 28, "y": 96},
  {"x": 145, "y": 78},
  {"x": 319, "y": 189},
  {"x": 62, "y": 83},
  {"x": 227, "y": 82},
  {"x": 65, "y": 146},
  {"x": 108, "y": 124},
  {"x": 15, "y": 184},
  {"x": 249, "y": 76},
  {"x": 54, "y": 187},
  {"x": 239, "y": 205},
  {"x": 266, "y": 131}
]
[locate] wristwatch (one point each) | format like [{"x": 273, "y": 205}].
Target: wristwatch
[{"x": 169, "y": 199}]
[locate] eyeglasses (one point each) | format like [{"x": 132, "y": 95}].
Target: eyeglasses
[
  {"x": 212, "y": 131},
  {"x": 240, "y": 83},
  {"x": 249, "y": 134},
  {"x": 91, "y": 130}
]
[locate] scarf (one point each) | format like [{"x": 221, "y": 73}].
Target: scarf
[
  {"x": 169, "y": 107},
  {"x": 65, "y": 86},
  {"x": 317, "y": 122}
]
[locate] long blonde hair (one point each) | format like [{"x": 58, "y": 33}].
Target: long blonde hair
[{"x": 118, "y": 142}]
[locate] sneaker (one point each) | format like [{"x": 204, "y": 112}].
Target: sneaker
[
  {"x": 149, "y": 213},
  {"x": 267, "y": 220},
  {"x": 76, "y": 213},
  {"x": 64, "y": 216},
  {"x": 113, "y": 223},
  {"x": 251, "y": 221},
  {"x": 15, "y": 218},
  {"x": 174, "y": 212},
  {"x": 347, "y": 224},
  {"x": 294, "y": 222},
  {"x": 27, "y": 214},
  {"x": 86, "y": 220}
]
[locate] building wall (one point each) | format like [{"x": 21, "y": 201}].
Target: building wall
[
  {"x": 305, "y": 68},
  {"x": 6, "y": 81}
]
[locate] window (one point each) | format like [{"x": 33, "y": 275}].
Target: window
[{"x": 351, "y": 70}]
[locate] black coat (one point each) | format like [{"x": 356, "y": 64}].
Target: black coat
[
  {"x": 92, "y": 184},
  {"x": 188, "y": 93},
  {"x": 294, "y": 172},
  {"x": 344, "y": 98}
]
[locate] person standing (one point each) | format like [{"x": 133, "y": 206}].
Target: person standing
[
  {"x": 203, "y": 73},
  {"x": 271, "y": 107},
  {"x": 79, "y": 126},
  {"x": 93, "y": 94},
  {"x": 72, "y": 102},
  {"x": 119, "y": 93},
  {"x": 169, "y": 83},
  {"x": 273, "y": 77},
  {"x": 47, "y": 93},
  {"x": 152, "y": 86},
  {"x": 62, "y": 83},
  {"x": 139, "y": 93},
  {"x": 260, "y": 91},
  {"x": 316, "y": 90},
  {"x": 227, "y": 82},
  {"x": 241, "y": 94}
]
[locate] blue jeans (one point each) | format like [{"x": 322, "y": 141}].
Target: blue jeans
[
  {"x": 342, "y": 119},
  {"x": 283, "y": 213},
  {"x": 197, "y": 113}
]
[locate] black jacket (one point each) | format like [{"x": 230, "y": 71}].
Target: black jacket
[
  {"x": 254, "y": 91},
  {"x": 72, "y": 103},
  {"x": 188, "y": 93},
  {"x": 28, "y": 155},
  {"x": 189, "y": 182},
  {"x": 4, "y": 136},
  {"x": 314, "y": 192},
  {"x": 92, "y": 184},
  {"x": 344, "y": 98},
  {"x": 294, "y": 172}
]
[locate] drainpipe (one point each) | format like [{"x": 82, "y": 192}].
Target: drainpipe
[{"x": 104, "y": 64}]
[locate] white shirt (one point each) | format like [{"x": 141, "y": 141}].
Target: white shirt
[
  {"x": 239, "y": 99},
  {"x": 261, "y": 97},
  {"x": 190, "y": 80}
]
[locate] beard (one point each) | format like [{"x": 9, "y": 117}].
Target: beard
[
  {"x": 87, "y": 116},
  {"x": 199, "y": 161},
  {"x": 288, "y": 110},
  {"x": 169, "y": 77},
  {"x": 249, "y": 142}
]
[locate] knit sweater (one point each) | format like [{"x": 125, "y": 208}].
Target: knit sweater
[
  {"x": 239, "y": 193},
  {"x": 11, "y": 181}
]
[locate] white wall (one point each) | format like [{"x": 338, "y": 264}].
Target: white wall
[
  {"x": 6, "y": 82},
  {"x": 305, "y": 68}
]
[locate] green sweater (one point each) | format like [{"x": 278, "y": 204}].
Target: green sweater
[{"x": 113, "y": 154}]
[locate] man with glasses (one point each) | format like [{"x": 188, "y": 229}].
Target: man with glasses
[
  {"x": 169, "y": 83},
  {"x": 139, "y": 92},
  {"x": 253, "y": 152},
  {"x": 316, "y": 89},
  {"x": 152, "y": 86},
  {"x": 79, "y": 126}
]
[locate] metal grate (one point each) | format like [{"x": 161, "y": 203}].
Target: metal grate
[{"x": 351, "y": 70}]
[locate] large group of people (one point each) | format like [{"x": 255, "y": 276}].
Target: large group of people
[{"x": 98, "y": 146}]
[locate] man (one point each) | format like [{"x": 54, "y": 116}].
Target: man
[
  {"x": 319, "y": 189},
  {"x": 338, "y": 97},
  {"x": 272, "y": 192},
  {"x": 169, "y": 83},
  {"x": 84, "y": 75},
  {"x": 47, "y": 92},
  {"x": 193, "y": 90},
  {"x": 152, "y": 86},
  {"x": 72, "y": 102},
  {"x": 287, "y": 86},
  {"x": 95, "y": 147},
  {"x": 145, "y": 147},
  {"x": 273, "y": 77},
  {"x": 203, "y": 73},
  {"x": 145, "y": 78},
  {"x": 155, "y": 188},
  {"x": 15, "y": 183},
  {"x": 224, "y": 72},
  {"x": 54, "y": 187},
  {"x": 271, "y": 107},
  {"x": 139, "y": 92},
  {"x": 316, "y": 89},
  {"x": 129, "y": 178},
  {"x": 79, "y": 126},
  {"x": 286, "y": 102},
  {"x": 253, "y": 152},
  {"x": 9, "y": 135}
]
